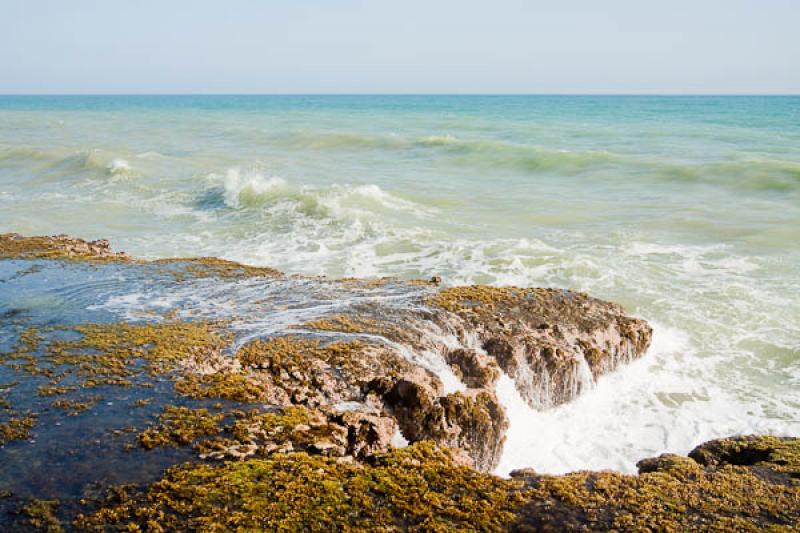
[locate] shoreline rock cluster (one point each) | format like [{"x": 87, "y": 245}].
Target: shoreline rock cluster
[{"x": 306, "y": 427}]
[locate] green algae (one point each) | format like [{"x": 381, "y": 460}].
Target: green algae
[
  {"x": 262, "y": 433},
  {"x": 673, "y": 493},
  {"x": 367, "y": 283},
  {"x": 180, "y": 426},
  {"x": 110, "y": 354},
  {"x": 288, "y": 353},
  {"x": 459, "y": 299},
  {"x": 16, "y": 428},
  {"x": 347, "y": 324},
  {"x": 778, "y": 454},
  {"x": 277, "y": 425},
  {"x": 76, "y": 406},
  {"x": 62, "y": 247},
  {"x": 422, "y": 488},
  {"x": 204, "y": 267},
  {"x": 221, "y": 385},
  {"x": 287, "y": 358},
  {"x": 41, "y": 516},
  {"x": 418, "y": 488}
]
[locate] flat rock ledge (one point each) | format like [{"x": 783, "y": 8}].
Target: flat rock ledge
[{"x": 376, "y": 416}]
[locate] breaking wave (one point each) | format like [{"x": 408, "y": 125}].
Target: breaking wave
[{"x": 252, "y": 189}]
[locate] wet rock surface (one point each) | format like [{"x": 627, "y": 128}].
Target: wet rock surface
[
  {"x": 421, "y": 488},
  {"x": 552, "y": 342},
  {"x": 287, "y": 400},
  {"x": 674, "y": 493},
  {"x": 15, "y": 246}
]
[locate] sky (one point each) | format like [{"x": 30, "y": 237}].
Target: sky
[{"x": 407, "y": 46}]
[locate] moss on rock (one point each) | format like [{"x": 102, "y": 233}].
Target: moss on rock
[
  {"x": 477, "y": 297},
  {"x": 40, "y": 515},
  {"x": 180, "y": 426},
  {"x": 221, "y": 385},
  {"x": 418, "y": 488},
  {"x": 204, "y": 267},
  {"x": 15, "y": 246},
  {"x": 94, "y": 355},
  {"x": 16, "y": 428},
  {"x": 673, "y": 493}
]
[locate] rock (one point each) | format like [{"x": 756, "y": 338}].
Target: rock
[
  {"x": 367, "y": 434},
  {"x": 776, "y": 454},
  {"x": 423, "y": 488},
  {"x": 475, "y": 370},
  {"x": 392, "y": 360},
  {"x": 662, "y": 463},
  {"x": 474, "y": 423},
  {"x": 553, "y": 343},
  {"x": 756, "y": 492},
  {"x": 13, "y": 245},
  {"x": 295, "y": 429}
]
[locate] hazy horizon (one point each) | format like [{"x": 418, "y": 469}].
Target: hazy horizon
[
  {"x": 566, "y": 94},
  {"x": 625, "y": 47}
]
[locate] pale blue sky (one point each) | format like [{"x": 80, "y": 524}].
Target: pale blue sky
[{"x": 418, "y": 46}]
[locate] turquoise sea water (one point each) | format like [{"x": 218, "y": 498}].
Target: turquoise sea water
[{"x": 684, "y": 209}]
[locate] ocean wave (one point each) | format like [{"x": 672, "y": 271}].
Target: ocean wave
[
  {"x": 749, "y": 174},
  {"x": 11, "y": 154},
  {"x": 752, "y": 174},
  {"x": 480, "y": 151},
  {"x": 252, "y": 189},
  {"x": 58, "y": 164},
  {"x": 340, "y": 140},
  {"x": 118, "y": 167}
]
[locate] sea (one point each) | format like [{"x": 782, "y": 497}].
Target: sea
[{"x": 684, "y": 209}]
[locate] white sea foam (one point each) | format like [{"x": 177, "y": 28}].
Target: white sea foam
[
  {"x": 251, "y": 188},
  {"x": 398, "y": 440},
  {"x": 118, "y": 167},
  {"x": 241, "y": 188},
  {"x": 661, "y": 403}
]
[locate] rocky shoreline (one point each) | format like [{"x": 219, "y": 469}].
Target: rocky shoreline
[{"x": 317, "y": 404}]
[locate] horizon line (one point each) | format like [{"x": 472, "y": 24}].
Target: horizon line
[{"x": 690, "y": 94}]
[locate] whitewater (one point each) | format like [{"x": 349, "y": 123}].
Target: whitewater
[{"x": 686, "y": 210}]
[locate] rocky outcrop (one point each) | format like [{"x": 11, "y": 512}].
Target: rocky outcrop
[
  {"x": 221, "y": 425},
  {"x": 552, "y": 342},
  {"x": 14, "y": 245},
  {"x": 231, "y": 385},
  {"x": 347, "y": 435},
  {"x": 474, "y": 423},
  {"x": 736, "y": 484},
  {"x": 430, "y": 363}
]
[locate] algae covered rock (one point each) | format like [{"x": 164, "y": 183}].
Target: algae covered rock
[
  {"x": 778, "y": 454},
  {"x": 422, "y": 488},
  {"x": 418, "y": 488},
  {"x": 430, "y": 357},
  {"x": 553, "y": 343},
  {"x": 15, "y": 246},
  {"x": 674, "y": 493},
  {"x": 474, "y": 423}
]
